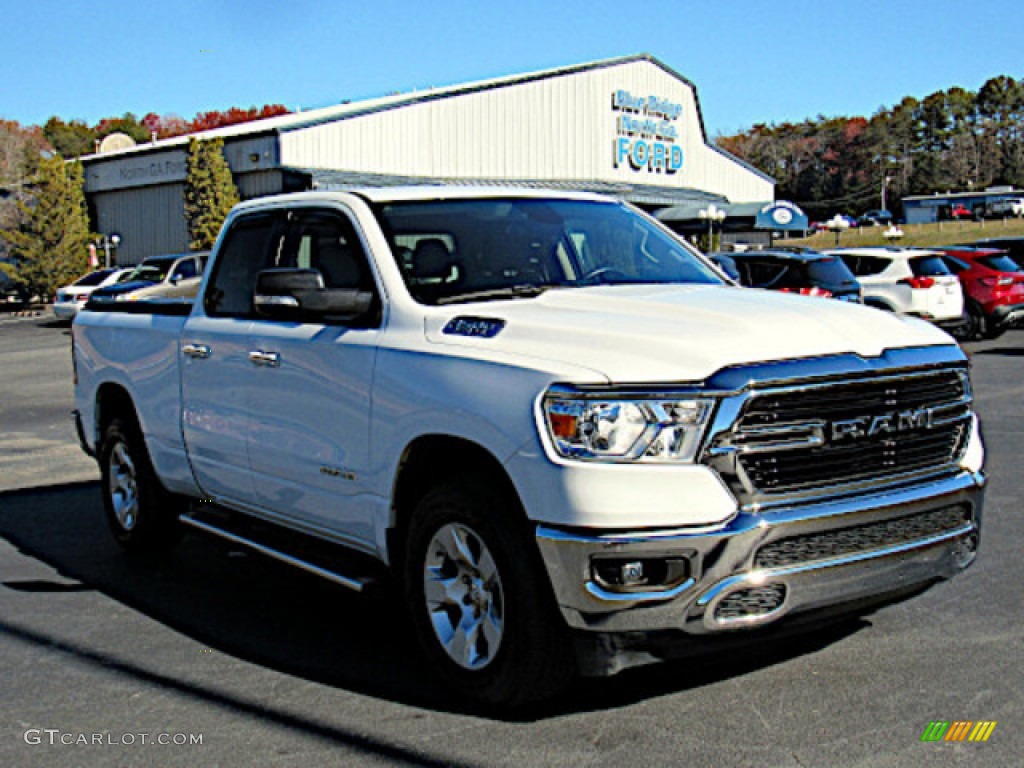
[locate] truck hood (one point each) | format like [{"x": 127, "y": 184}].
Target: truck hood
[{"x": 677, "y": 333}]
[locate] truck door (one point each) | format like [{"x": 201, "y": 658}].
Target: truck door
[
  {"x": 217, "y": 376},
  {"x": 311, "y": 388}
]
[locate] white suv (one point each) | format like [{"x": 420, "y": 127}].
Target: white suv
[
  {"x": 908, "y": 281},
  {"x": 1008, "y": 206}
]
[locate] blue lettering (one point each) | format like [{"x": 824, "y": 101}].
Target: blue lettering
[
  {"x": 641, "y": 154},
  {"x": 658, "y": 161},
  {"x": 621, "y": 151},
  {"x": 675, "y": 159}
]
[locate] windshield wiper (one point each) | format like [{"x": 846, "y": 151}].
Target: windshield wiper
[{"x": 525, "y": 291}]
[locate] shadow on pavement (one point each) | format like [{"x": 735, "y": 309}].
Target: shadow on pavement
[
  {"x": 279, "y": 617},
  {"x": 1003, "y": 351}
]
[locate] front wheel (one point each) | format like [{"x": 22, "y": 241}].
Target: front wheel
[
  {"x": 141, "y": 513},
  {"x": 480, "y": 604}
]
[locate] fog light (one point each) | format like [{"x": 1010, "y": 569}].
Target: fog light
[{"x": 628, "y": 574}]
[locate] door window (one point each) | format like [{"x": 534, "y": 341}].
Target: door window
[
  {"x": 253, "y": 243},
  {"x": 327, "y": 242}
]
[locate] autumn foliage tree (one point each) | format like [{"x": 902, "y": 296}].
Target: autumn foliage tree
[
  {"x": 951, "y": 140},
  {"x": 50, "y": 245},
  {"x": 210, "y": 192}
]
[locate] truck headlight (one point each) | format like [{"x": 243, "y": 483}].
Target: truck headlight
[{"x": 656, "y": 429}]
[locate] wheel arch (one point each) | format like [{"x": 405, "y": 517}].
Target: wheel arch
[
  {"x": 112, "y": 400},
  {"x": 435, "y": 458}
]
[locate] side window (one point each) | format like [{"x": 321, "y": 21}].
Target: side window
[
  {"x": 765, "y": 274},
  {"x": 254, "y": 243},
  {"x": 865, "y": 265},
  {"x": 327, "y": 242},
  {"x": 184, "y": 270}
]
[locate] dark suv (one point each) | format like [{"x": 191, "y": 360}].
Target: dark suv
[
  {"x": 993, "y": 286},
  {"x": 803, "y": 271}
]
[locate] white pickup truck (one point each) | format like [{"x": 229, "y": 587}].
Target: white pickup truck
[{"x": 560, "y": 432}]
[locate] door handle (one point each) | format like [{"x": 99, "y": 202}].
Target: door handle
[
  {"x": 197, "y": 351},
  {"x": 266, "y": 359}
]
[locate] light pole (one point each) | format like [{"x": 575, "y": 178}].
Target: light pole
[
  {"x": 108, "y": 241},
  {"x": 711, "y": 214},
  {"x": 838, "y": 225}
]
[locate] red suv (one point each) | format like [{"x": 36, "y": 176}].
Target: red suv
[{"x": 993, "y": 286}]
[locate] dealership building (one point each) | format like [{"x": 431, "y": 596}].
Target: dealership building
[{"x": 629, "y": 127}]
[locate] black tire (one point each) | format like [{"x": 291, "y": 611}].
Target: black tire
[
  {"x": 977, "y": 325},
  {"x": 532, "y": 658},
  {"x": 993, "y": 331},
  {"x": 142, "y": 514}
]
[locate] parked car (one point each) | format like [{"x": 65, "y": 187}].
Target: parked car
[
  {"x": 875, "y": 218},
  {"x": 993, "y": 286},
  {"x": 909, "y": 281},
  {"x": 72, "y": 297},
  {"x": 1006, "y": 206},
  {"x": 808, "y": 273},
  {"x": 1014, "y": 246},
  {"x": 172, "y": 276},
  {"x": 956, "y": 212}
]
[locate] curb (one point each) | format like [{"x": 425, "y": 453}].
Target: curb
[{"x": 35, "y": 313}]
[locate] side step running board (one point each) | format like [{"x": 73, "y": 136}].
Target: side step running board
[{"x": 357, "y": 584}]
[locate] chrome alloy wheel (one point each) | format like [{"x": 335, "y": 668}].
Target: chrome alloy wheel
[
  {"x": 463, "y": 594},
  {"x": 123, "y": 487}
]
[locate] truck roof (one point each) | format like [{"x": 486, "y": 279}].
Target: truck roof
[{"x": 432, "y": 192}]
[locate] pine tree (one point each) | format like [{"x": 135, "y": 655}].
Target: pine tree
[
  {"x": 210, "y": 192},
  {"x": 50, "y": 246}
]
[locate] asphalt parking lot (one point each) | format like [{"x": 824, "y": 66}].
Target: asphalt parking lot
[{"x": 270, "y": 667}]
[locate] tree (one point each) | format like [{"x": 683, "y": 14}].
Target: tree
[
  {"x": 210, "y": 192},
  {"x": 20, "y": 149},
  {"x": 72, "y": 139},
  {"x": 127, "y": 124},
  {"x": 51, "y": 245}
]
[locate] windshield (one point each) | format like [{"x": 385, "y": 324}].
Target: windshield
[
  {"x": 151, "y": 271},
  {"x": 928, "y": 266},
  {"x": 1000, "y": 263},
  {"x": 830, "y": 271},
  {"x": 477, "y": 249},
  {"x": 94, "y": 278}
]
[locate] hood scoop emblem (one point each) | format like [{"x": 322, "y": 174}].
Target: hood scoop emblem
[{"x": 475, "y": 327}]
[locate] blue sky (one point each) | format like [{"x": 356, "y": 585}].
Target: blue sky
[{"x": 752, "y": 60}]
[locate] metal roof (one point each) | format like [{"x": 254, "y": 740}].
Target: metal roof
[
  {"x": 347, "y": 110},
  {"x": 640, "y": 194}
]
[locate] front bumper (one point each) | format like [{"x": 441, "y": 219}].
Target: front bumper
[{"x": 726, "y": 590}]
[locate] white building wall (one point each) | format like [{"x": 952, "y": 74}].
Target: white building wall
[{"x": 555, "y": 127}]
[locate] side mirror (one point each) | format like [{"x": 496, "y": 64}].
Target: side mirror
[{"x": 299, "y": 294}]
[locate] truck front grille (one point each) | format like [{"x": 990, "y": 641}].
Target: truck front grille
[
  {"x": 797, "y": 550},
  {"x": 809, "y": 437}
]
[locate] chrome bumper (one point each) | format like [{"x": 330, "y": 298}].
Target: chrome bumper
[{"x": 722, "y": 562}]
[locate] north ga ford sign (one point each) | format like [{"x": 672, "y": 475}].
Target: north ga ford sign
[{"x": 646, "y": 133}]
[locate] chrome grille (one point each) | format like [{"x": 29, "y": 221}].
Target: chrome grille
[
  {"x": 808, "y": 437},
  {"x": 751, "y": 602},
  {"x": 797, "y": 550}
]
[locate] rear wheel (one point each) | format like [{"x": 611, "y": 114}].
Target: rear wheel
[
  {"x": 993, "y": 331},
  {"x": 482, "y": 609},
  {"x": 142, "y": 514},
  {"x": 977, "y": 325}
]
